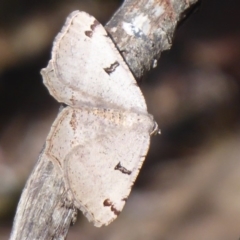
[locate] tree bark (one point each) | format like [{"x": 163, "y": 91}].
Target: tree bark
[{"x": 141, "y": 30}]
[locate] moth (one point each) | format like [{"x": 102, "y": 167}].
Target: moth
[{"x": 101, "y": 138}]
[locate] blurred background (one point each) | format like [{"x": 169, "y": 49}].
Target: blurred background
[{"x": 189, "y": 186}]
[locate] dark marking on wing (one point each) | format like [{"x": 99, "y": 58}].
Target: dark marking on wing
[
  {"x": 89, "y": 33},
  {"x": 122, "y": 169},
  {"x": 108, "y": 203},
  {"x": 73, "y": 121},
  {"x": 115, "y": 211},
  {"x": 95, "y": 23},
  {"x": 112, "y": 67}
]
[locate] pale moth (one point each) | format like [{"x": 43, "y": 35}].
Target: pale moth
[{"x": 100, "y": 139}]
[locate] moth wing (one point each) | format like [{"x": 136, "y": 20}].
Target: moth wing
[
  {"x": 101, "y": 173},
  {"x": 89, "y": 69},
  {"x": 100, "y": 152}
]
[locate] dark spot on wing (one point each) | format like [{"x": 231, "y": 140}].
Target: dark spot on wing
[
  {"x": 122, "y": 169},
  {"x": 73, "y": 121},
  {"x": 95, "y": 23},
  {"x": 112, "y": 67},
  {"x": 108, "y": 203},
  {"x": 89, "y": 33},
  {"x": 116, "y": 212}
]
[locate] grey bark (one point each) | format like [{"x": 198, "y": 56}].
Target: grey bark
[
  {"x": 43, "y": 211},
  {"x": 142, "y": 49}
]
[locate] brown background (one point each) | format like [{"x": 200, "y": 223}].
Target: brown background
[{"x": 189, "y": 187}]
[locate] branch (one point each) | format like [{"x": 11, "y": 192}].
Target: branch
[
  {"x": 43, "y": 211},
  {"x": 143, "y": 29}
]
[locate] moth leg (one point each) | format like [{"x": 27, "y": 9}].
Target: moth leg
[{"x": 156, "y": 130}]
